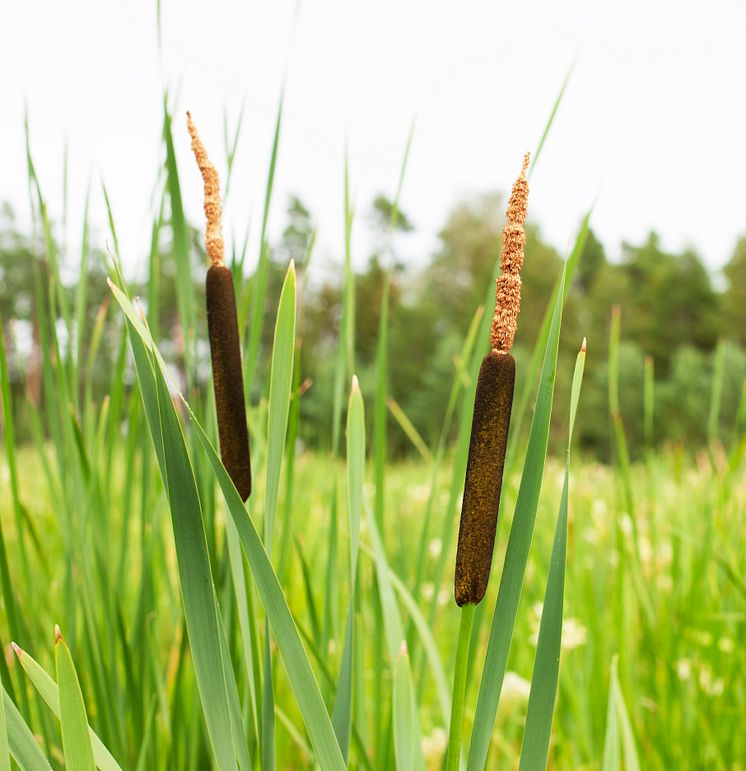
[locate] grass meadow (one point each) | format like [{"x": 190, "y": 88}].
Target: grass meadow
[{"x": 316, "y": 627}]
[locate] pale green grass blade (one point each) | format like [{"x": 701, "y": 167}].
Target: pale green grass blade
[
  {"x": 538, "y": 730},
  {"x": 355, "y": 470},
  {"x": 610, "y": 760},
  {"x": 240, "y": 744},
  {"x": 49, "y": 691},
  {"x": 649, "y": 401},
  {"x": 23, "y": 746},
  {"x": 110, "y": 219},
  {"x": 550, "y": 121},
  {"x": 516, "y": 556},
  {"x": 81, "y": 291},
  {"x": 624, "y": 470},
  {"x": 231, "y": 146},
  {"x": 407, "y": 746},
  {"x": 245, "y": 622},
  {"x": 394, "y": 632},
  {"x": 10, "y": 458},
  {"x": 615, "y": 410},
  {"x": 426, "y": 639},
  {"x": 268, "y": 759},
  {"x": 180, "y": 231},
  {"x": 280, "y": 383},
  {"x": 379, "y": 407},
  {"x": 629, "y": 748},
  {"x": 409, "y": 429},
  {"x": 392, "y": 623},
  {"x": 261, "y": 276},
  {"x": 716, "y": 394},
  {"x": 4, "y": 748},
  {"x": 461, "y": 668},
  {"x": 295, "y": 735},
  {"x": 342, "y": 713},
  {"x": 76, "y": 741}
]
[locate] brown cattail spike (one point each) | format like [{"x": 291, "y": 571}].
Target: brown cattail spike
[
  {"x": 492, "y": 406},
  {"x": 484, "y": 473},
  {"x": 508, "y": 290},
  {"x": 222, "y": 325}
]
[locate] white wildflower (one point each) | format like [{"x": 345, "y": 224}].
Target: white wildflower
[
  {"x": 646, "y": 550},
  {"x": 515, "y": 690},
  {"x": 665, "y": 553},
  {"x": 625, "y": 523},
  {"x": 599, "y": 509},
  {"x": 684, "y": 668},
  {"x": 434, "y": 746},
  {"x": 726, "y": 645},
  {"x": 664, "y": 582},
  {"x": 421, "y": 492},
  {"x": 574, "y": 634},
  {"x": 712, "y": 686}
]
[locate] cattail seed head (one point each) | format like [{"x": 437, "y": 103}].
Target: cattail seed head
[
  {"x": 484, "y": 473},
  {"x": 493, "y": 402},
  {"x": 222, "y": 326}
]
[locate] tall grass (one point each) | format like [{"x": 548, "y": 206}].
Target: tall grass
[{"x": 313, "y": 626}]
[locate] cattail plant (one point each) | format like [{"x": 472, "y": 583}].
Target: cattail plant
[
  {"x": 489, "y": 438},
  {"x": 222, "y": 325}
]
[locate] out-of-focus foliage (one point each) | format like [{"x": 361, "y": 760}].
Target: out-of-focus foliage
[{"x": 670, "y": 310}]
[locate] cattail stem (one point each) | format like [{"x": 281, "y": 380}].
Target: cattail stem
[
  {"x": 459, "y": 688},
  {"x": 222, "y": 325}
]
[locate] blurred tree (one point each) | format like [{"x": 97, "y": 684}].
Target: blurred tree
[
  {"x": 669, "y": 301},
  {"x": 734, "y": 298}
]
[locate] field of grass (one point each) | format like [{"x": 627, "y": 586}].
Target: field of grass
[
  {"x": 317, "y": 627},
  {"x": 681, "y": 665}
]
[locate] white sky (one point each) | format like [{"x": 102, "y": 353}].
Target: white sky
[{"x": 652, "y": 122}]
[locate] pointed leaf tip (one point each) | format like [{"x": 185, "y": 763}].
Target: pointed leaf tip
[
  {"x": 355, "y": 384},
  {"x": 403, "y": 649},
  {"x": 583, "y": 346},
  {"x": 16, "y": 649},
  {"x": 57, "y": 634}
]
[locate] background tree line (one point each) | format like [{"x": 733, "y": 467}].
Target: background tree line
[{"x": 671, "y": 311}]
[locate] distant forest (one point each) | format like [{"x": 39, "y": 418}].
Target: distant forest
[{"x": 672, "y": 315}]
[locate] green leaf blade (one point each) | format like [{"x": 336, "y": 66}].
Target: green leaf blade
[{"x": 76, "y": 742}]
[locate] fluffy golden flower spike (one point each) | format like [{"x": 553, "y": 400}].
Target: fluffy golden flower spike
[{"x": 508, "y": 290}]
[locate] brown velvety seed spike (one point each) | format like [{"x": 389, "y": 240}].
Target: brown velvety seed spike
[
  {"x": 484, "y": 473},
  {"x": 222, "y": 324}
]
